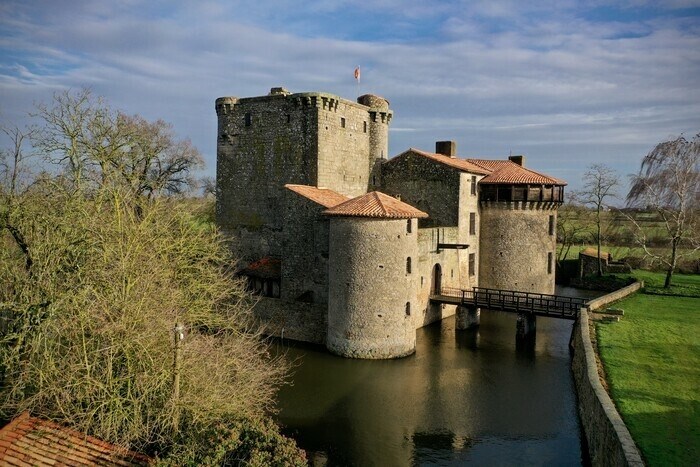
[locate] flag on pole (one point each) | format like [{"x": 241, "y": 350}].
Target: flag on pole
[{"x": 357, "y": 73}]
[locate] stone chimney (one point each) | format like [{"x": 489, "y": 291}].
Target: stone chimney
[
  {"x": 446, "y": 148},
  {"x": 519, "y": 159}
]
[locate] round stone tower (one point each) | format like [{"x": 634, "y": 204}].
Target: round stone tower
[
  {"x": 372, "y": 277},
  {"x": 518, "y": 210},
  {"x": 379, "y": 118}
]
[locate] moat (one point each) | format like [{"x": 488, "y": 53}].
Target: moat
[{"x": 468, "y": 397}]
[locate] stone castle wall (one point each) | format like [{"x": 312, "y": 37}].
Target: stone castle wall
[
  {"x": 426, "y": 185},
  {"x": 265, "y": 142},
  {"x": 515, "y": 245},
  {"x": 373, "y": 290},
  {"x": 306, "y": 247}
]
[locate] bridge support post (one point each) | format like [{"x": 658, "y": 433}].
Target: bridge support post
[
  {"x": 468, "y": 317},
  {"x": 526, "y": 325}
]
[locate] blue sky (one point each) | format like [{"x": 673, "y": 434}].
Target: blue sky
[{"x": 566, "y": 83}]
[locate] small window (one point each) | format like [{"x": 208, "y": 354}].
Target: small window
[
  {"x": 551, "y": 225},
  {"x": 550, "y": 258},
  {"x": 408, "y": 226},
  {"x": 472, "y": 223},
  {"x": 408, "y": 308},
  {"x": 473, "y": 184},
  {"x": 342, "y": 122},
  {"x": 289, "y": 118},
  {"x": 248, "y": 119},
  {"x": 364, "y": 126},
  {"x": 472, "y": 264},
  {"x": 408, "y": 265}
]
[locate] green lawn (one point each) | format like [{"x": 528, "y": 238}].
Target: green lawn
[{"x": 652, "y": 361}]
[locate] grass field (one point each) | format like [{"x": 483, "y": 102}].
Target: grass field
[{"x": 652, "y": 362}]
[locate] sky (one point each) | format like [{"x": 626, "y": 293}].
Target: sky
[{"x": 566, "y": 83}]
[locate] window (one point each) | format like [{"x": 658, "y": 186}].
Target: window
[
  {"x": 289, "y": 118},
  {"x": 551, "y": 225},
  {"x": 472, "y": 264},
  {"x": 408, "y": 226},
  {"x": 408, "y": 265},
  {"x": 473, "y": 184},
  {"x": 472, "y": 223},
  {"x": 342, "y": 122},
  {"x": 408, "y": 308},
  {"x": 364, "y": 126},
  {"x": 248, "y": 119},
  {"x": 550, "y": 258}
]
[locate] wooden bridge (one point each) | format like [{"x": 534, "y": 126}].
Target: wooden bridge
[{"x": 553, "y": 306}]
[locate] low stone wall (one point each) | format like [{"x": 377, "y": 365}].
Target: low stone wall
[
  {"x": 609, "y": 441},
  {"x": 306, "y": 322},
  {"x": 600, "y": 302}
]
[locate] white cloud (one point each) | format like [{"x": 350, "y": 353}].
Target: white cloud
[{"x": 492, "y": 76}]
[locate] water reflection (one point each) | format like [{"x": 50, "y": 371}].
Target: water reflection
[{"x": 467, "y": 397}]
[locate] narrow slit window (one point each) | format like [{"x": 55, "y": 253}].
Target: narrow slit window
[
  {"x": 472, "y": 264},
  {"x": 408, "y": 226},
  {"x": 364, "y": 126},
  {"x": 472, "y": 223},
  {"x": 408, "y": 308},
  {"x": 473, "y": 184},
  {"x": 248, "y": 119},
  {"x": 408, "y": 265},
  {"x": 550, "y": 260},
  {"x": 342, "y": 122},
  {"x": 551, "y": 225}
]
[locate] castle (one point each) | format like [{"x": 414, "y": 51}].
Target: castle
[{"x": 345, "y": 246}]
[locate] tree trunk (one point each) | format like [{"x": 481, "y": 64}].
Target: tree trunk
[
  {"x": 672, "y": 267},
  {"x": 600, "y": 262}
]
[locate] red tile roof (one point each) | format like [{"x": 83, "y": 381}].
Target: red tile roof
[
  {"x": 454, "y": 162},
  {"x": 323, "y": 196},
  {"x": 27, "y": 440},
  {"x": 265, "y": 268},
  {"x": 496, "y": 171},
  {"x": 504, "y": 171},
  {"x": 376, "y": 204}
]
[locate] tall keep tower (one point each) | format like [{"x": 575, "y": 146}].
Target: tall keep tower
[{"x": 265, "y": 142}]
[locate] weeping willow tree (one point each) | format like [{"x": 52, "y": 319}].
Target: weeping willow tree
[
  {"x": 121, "y": 315},
  {"x": 668, "y": 184}
]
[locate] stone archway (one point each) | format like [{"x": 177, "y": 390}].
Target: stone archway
[{"x": 436, "y": 279}]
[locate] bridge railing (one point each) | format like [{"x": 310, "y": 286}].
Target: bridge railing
[{"x": 512, "y": 300}]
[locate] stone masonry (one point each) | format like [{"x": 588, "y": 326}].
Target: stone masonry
[{"x": 304, "y": 182}]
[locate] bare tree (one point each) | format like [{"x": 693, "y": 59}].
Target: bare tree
[
  {"x": 572, "y": 219},
  {"x": 668, "y": 183},
  {"x": 600, "y": 185},
  {"x": 97, "y": 145}
]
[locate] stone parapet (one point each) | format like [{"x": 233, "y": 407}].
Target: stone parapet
[{"x": 609, "y": 441}]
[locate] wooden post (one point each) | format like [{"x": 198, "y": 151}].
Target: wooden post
[{"x": 179, "y": 331}]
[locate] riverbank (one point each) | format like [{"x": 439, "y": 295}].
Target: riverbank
[{"x": 652, "y": 363}]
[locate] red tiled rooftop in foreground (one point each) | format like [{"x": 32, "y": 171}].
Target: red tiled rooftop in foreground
[
  {"x": 33, "y": 441},
  {"x": 378, "y": 205},
  {"x": 323, "y": 196},
  {"x": 502, "y": 171}
]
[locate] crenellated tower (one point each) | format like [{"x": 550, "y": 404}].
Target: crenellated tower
[{"x": 379, "y": 119}]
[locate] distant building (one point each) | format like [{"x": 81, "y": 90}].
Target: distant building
[{"x": 346, "y": 246}]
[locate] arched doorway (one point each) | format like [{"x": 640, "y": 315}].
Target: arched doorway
[{"x": 436, "y": 279}]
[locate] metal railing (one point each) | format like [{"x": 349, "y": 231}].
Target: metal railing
[{"x": 559, "y": 306}]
